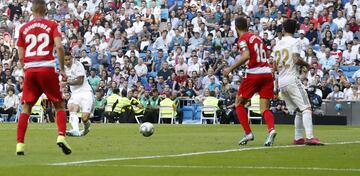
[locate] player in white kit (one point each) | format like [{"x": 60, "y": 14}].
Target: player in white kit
[
  {"x": 82, "y": 97},
  {"x": 288, "y": 64}
]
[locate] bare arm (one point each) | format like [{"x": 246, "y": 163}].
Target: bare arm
[
  {"x": 21, "y": 55},
  {"x": 60, "y": 52},
  {"x": 244, "y": 57},
  {"x": 299, "y": 61},
  {"x": 77, "y": 81}
]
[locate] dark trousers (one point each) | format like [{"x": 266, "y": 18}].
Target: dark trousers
[
  {"x": 98, "y": 115},
  {"x": 112, "y": 117},
  {"x": 151, "y": 115},
  {"x": 11, "y": 111}
]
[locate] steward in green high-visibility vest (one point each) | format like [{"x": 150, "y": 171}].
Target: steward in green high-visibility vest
[
  {"x": 167, "y": 102},
  {"x": 212, "y": 101},
  {"x": 152, "y": 109},
  {"x": 123, "y": 109},
  {"x": 138, "y": 108},
  {"x": 111, "y": 103}
]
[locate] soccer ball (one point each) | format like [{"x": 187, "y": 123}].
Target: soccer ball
[{"x": 146, "y": 129}]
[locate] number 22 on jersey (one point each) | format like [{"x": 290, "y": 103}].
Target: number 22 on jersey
[
  {"x": 281, "y": 58},
  {"x": 42, "y": 40}
]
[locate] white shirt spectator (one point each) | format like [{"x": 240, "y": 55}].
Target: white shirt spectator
[
  {"x": 349, "y": 36},
  {"x": 85, "y": 59},
  {"x": 196, "y": 24},
  {"x": 91, "y": 5},
  {"x": 349, "y": 57},
  {"x": 183, "y": 67},
  {"x": 161, "y": 43},
  {"x": 304, "y": 43},
  {"x": 88, "y": 37},
  {"x": 11, "y": 101},
  {"x": 193, "y": 67},
  {"x": 341, "y": 43},
  {"x": 136, "y": 53},
  {"x": 336, "y": 95},
  {"x": 304, "y": 9},
  {"x": 98, "y": 29},
  {"x": 356, "y": 75},
  {"x": 141, "y": 70},
  {"x": 138, "y": 26},
  {"x": 348, "y": 94},
  {"x": 348, "y": 8},
  {"x": 248, "y": 9},
  {"x": 340, "y": 22}
]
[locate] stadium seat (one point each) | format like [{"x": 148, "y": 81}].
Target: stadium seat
[
  {"x": 344, "y": 68},
  {"x": 354, "y": 68},
  {"x": 142, "y": 55},
  {"x": 166, "y": 112},
  {"x": 351, "y": 80},
  {"x": 37, "y": 111},
  {"x": 208, "y": 109},
  {"x": 255, "y": 107},
  {"x": 349, "y": 74},
  {"x": 1, "y": 102},
  {"x": 188, "y": 113}
]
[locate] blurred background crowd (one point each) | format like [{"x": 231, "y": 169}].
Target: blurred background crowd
[{"x": 179, "y": 48}]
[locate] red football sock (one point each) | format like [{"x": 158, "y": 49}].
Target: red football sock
[
  {"x": 22, "y": 126},
  {"x": 243, "y": 118},
  {"x": 269, "y": 118},
  {"x": 61, "y": 122}
]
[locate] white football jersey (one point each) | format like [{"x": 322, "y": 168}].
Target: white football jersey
[
  {"x": 76, "y": 70},
  {"x": 283, "y": 52}
]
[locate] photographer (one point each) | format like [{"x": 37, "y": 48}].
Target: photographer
[{"x": 315, "y": 100}]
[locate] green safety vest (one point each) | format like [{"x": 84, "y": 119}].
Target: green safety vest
[
  {"x": 144, "y": 101},
  {"x": 110, "y": 102},
  {"x": 134, "y": 103},
  {"x": 210, "y": 101},
  {"x": 255, "y": 100},
  {"x": 167, "y": 102},
  {"x": 122, "y": 102},
  {"x": 154, "y": 103}
]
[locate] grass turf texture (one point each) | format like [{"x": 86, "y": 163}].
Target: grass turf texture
[{"x": 123, "y": 140}]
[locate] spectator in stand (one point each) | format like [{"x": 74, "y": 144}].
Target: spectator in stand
[
  {"x": 94, "y": 80},
  {"x": 11, "y": 103},
  {"x": 336, "y": 94},
  {"x": 328, "y": 61}
]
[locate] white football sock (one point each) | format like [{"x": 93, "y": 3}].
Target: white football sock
[
  {"x": 74, "y": 121},
  {"x": 298, "y": 126},
  {"x": 307, "y": 121}
]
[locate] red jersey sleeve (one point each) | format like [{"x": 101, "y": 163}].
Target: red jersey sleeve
[
  {"x": 55, "y": 29},
  {"x": 21, "y": 40},
  {"x": 242, "y": 45}
]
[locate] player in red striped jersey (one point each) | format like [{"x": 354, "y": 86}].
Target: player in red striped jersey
[
  {"x": 259, "y": 79},
  {"x": 36, "y": 43}
]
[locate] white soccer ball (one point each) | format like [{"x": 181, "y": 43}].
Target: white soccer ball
[{"x": 147, "y": 129}]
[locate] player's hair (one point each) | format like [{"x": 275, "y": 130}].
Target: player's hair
[
  {"x": 241, "y": 23},
  {"x": 39, "y": 6},
  {"x": 116, "y": 91},
  {"x": 124, "y": 93},
  {"x": 67, "y": 53},
  {"x": 290, "y": 26}
]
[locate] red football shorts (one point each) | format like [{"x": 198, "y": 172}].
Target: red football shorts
[
  {"x": 41, "y": 80},
  {"x": 263, "y": 84}
]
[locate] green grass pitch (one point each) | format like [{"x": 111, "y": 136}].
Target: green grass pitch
[{"x": 124, "y": 143}]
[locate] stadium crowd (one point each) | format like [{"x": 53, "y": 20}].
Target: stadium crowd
[{"x": 157, "y": 49}]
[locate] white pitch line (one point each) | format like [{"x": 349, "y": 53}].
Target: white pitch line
[
  {"x": 189, "y": 154},
  {"x": 227, "y": 167}
]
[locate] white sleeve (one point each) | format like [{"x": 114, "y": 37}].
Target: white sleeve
[
  {"x": 297, "y": 47},
  {"x": 79, "y": 70}
]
